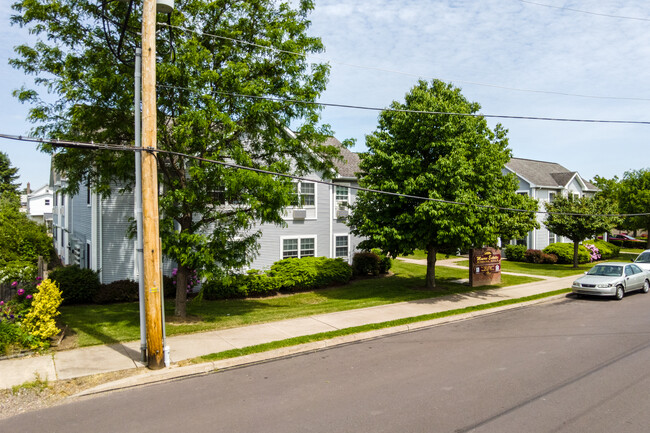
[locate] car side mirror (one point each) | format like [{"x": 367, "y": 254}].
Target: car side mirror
[{"x": 585, "y": 273}]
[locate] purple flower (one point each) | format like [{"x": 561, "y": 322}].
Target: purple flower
[
  {"x": 29, "y": 296},
  {"x": 20, "y": 292},
  {"x": 2, "y": 302},
  {"x": 38, "y": 278},
  {"x": 14, "y": 284}
]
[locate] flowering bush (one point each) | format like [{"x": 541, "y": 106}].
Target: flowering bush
[
  {"x": 594, "y": 253},
  {"x": 14, "y": 272},
  {"x": 39, "y": 321}
]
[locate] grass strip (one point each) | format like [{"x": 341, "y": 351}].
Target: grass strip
[{"x": 265, "y": 347}]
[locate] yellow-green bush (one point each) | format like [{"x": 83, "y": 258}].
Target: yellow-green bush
[{"x": 40, "y": 322}]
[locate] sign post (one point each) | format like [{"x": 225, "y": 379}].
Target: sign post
[{"x": 485, "y": 266}]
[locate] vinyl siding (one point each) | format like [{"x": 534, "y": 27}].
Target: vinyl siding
[{"x": 118, "y": 260}]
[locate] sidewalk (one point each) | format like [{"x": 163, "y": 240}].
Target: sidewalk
[{"x": 103, "y": 359}]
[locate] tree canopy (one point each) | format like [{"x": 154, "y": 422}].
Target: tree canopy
[
  {"x": 580, "y": 218},
  {"x": 8, "y": 175},
  {"x": 215, "y": 78},
  {"x": 447, "y": 158},
  {"x": 634, "y": 198}
]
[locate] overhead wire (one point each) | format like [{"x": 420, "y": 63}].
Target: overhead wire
[
  {"x": 368, "y": 108},
  {"x": 125, "y": 148},
  {"x": 393, "y": 71},
  {"x": 585, "y": 12}
]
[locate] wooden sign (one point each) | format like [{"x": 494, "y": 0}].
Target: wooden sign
[{"x": 484, "y": 266}]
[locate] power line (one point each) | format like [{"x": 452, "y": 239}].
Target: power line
[
  {"x": 368, "y": 108},
  {"x": 394, "y": 71},
  {"x": 585, "y": 12},
  {"x": 124, "y": 148}
]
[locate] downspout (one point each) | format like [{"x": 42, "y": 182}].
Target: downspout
[{"x": 331, "y": 220}]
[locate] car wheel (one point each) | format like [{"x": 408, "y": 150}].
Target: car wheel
[
  {"x": 619, "y": 293},
  {"x": 646, "y": 286}
]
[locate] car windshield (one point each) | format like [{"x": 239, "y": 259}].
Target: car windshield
[
  {"x": 606, "y": 271},
  {"x": 644, "y": 257}
]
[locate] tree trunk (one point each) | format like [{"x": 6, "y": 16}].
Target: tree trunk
[
  {"x": 182, "y": 274},
  {"x": 431, "y": 267},
  {"x": 576, "y": 244}
]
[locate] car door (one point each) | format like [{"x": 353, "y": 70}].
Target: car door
[{"x": 633, "y": 279}]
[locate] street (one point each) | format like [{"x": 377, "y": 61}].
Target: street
[{"x": 574, "y": 365}]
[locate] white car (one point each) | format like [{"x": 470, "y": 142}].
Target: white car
[
  {"x": 643, "y": 260},
  {"x": 612, "y": 279}
]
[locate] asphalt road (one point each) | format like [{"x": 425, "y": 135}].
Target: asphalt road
[{"x": 575, "y": 365}]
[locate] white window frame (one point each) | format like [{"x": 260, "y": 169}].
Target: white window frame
[
  {"x": 299, "y": 239},
  {"x": 551, "y": 196},
  {"x": 552, "y": 237},
  {"x": 342, "y": 235},
  {"x": 299, "y": 194}
]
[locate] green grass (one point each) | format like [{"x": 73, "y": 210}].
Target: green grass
[
  {"x": 557, "y": 270},
  {"x": 107, "y": 324},
  {"x": 365, "y": 328},
  {"x": 422, "y": 255}
]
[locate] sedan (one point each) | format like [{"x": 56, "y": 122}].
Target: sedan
[
  {"x": 612, "y": 279},
  {"x": 643, "y": 260}
]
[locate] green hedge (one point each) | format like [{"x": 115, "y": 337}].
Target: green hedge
[
  {"x": 564, "y": 252},
  {"x": 641, "y": 244},
  {"x": 538, "y": 256},
  {"x": 515, "y": 253},
  {"x": 288, "y": 275},
  {"x": 77, "y": 285}
]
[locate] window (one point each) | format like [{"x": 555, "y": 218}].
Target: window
[
  {"x": 342, "y": 193},
  {"x": 305, "y": 194},
  {"x": 552, "y": 238},
  {"x": 551, "y": 196},
  {"x": 298, "y": 247},
  {"x": 88, "y": 192},
  {"x": 47, "y": 202},
  {"x": 56, "y": 194},
  {"x": 523, "y": 193},
  {"x": 62, "y": 199},
  {"x": 341, "y": 243},
  {"x": 87, "y": 255}
]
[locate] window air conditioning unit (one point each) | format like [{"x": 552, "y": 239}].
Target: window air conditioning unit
[
  {"x": 299, "y": 214},
  {"x": 342, "y": 213}
]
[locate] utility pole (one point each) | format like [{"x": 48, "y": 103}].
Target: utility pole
[{"x": 151, "y": 232}]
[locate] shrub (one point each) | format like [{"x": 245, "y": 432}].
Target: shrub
[
  {"x": 385, "y": 263},
  {"x": 515, "y": 253},
  {"x": 13, "y": 337},
  {"x": 366, "y": 263},
  {"x": 564, "y": 252},
  {"x": 77, "y": 285},
  {"x": 538, "y": 256},
  {"x": 20, "y": 271},
  {"x": 40, "y": 321},
  {"x": 607, "y": 250},
  {"x": 240, "y": 286},
  {"x": 309, "y": 273},
  {"x": 117, "y": 291}
]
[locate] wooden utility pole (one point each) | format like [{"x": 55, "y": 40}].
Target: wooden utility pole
[{"x": 151, "y": 232}]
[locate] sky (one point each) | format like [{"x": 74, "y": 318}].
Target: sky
[{"x": 514, "y": 57}]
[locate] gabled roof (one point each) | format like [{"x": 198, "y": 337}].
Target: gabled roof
[
  {"x": 348, "y": 167},
  {"x": 546, "y": 174}
]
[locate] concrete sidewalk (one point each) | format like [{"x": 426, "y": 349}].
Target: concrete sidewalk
[{"x": 103, "y": 359}]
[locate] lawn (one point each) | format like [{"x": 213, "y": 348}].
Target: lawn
[
  {"x": 557, "y": 270},
  {"x": 106, "y": 324},
  {"x": 422, "y": 255}
]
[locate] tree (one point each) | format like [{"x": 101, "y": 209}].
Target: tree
[
  {"x": 580, "y": 218},
  {"x": 442, "y": 157},
  {"x": 634, "y": 198},
  {"x": 8, "y": 175},
  {"x": 208, "y": 212},
  {"x": 21, "y": 239}
]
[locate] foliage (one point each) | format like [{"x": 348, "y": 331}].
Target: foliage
[
  {"x": 251, "y": 284},
  {"x": 638, "y": 244},
  {"x": 538, "y": 256},
  {"x": 40, "y": 321},
  {"x": 515, "y": 253},
  {"x": 564, "y": 252},
  {"x": 445, "y": 158},
  {"x": 365, "y": 263},
  {"x": 20, "y": 238},
  {"x": 606, "y": 250},
  {"x": 579, "y": 218},
  {"x": 8, "y": 176},
  {"x": 208, "y": 212},
  {"x": 634, "y": 198},
  {"x": 78, "y": 285},
  {"x": 117, "y": 291},
  {"x": 20, "y": 271},
  {"x": 310, "y": 273},
  {"x": 14, "y": 334},
  {"x": 594, "y": 253},
  {"x": 385, "y": 262}
]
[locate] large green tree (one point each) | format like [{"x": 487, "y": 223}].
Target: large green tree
[
  {"x": 580, "y": 218},
  {"x": 441, "y": 157},
  {"x": 634, "y": 198},
  {"x": 227, "y": 48},
  {"x": 8, "y": 175}
]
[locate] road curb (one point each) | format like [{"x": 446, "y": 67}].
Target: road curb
[{"x": 175, "y": 372}]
